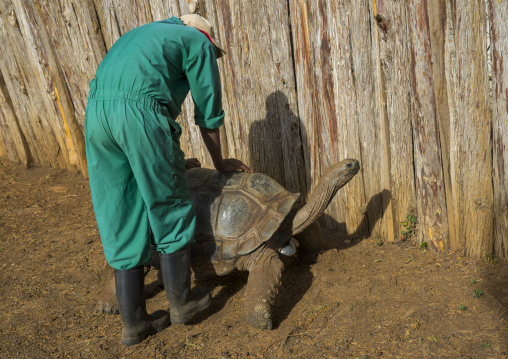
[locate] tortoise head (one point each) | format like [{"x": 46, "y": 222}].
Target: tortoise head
[
  {"x": 340, "y": 173},
  {"x": 335, "y": 177}
]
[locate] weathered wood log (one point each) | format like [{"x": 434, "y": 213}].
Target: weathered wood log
[
  {"x": 75, "y": 35},
  {"x": 338, "y": 79},
  {"x": 432, "y": 213},
  {"x": 119, "y": 16},
  {"x": 374, "y": 120},
  {"x": 29, "y": 70},
  {"x": 499, "y": 55},
  {"x": 470, "y": 127},
  {"x": 13, "y": 145},
  {"x": 437, "y": 24},
  {"x": 391, "y": 21}
]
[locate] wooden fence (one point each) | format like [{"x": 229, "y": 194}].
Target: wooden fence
[{"x": 403, "y": 86}]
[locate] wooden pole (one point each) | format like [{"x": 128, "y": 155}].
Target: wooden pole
[
  {"x": 499, "y": 55},
  {"x": 470, "y": 126},
  {"x": 430, "y": 191},
  {"x": 391, "y": 23}
]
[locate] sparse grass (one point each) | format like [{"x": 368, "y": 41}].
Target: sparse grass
[
  {"x": 409, "y": 226},
  {"x": 477, "y": 293},
  {"x": 462, "y": 307},
  {"x": 423, "y": 245},
  {"x": 491, "y": 259}
]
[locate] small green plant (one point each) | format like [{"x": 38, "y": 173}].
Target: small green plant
[
  {"x": 462, "y": 307},
  {"x": 379, "y": 242},
  {"x": 473, "y": 280},
  {"x": 423, "y": 245},
  {"x": 490, "y": 258},
  {"x": 409, "y": 225},
  {"x": 433, "y": 338},
  {"x": 477, "y": 293},
  {"x": 486, "y": 345}
]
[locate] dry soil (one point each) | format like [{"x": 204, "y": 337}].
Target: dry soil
[{"x": 360, "y": 299}]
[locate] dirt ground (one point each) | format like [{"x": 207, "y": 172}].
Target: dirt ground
[{"x": 360, "y": 299}]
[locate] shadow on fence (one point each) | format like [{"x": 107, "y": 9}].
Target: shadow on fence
[{"x": 368, "y": 222}]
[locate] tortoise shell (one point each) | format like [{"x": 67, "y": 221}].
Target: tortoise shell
[{"x": 236, "y": 213}]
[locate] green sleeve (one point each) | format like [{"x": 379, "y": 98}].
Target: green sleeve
[{"x": 204, "y": 81}]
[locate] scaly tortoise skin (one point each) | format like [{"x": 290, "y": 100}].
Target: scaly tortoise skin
[{"x": 243, "y": 221}]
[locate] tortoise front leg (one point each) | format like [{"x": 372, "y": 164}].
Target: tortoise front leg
[
  {"x": 106, "y": 304},
  {"x": 265, "y": 269}
]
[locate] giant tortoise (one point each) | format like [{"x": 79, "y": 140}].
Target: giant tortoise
[{"x": 245, "y": 221}]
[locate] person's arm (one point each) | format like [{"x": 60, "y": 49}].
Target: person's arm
[
  {"x": 204, "y": 83},
  {"x": 211, "y": 138}
]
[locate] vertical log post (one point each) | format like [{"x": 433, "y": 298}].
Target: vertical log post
[
  {"x": 391, "y": 21},
  {"x": 346, "y": 211},
  {"x": 437, "y": 24},
  {"x": 371, "y": 89},
  {"x": 499, "y": 55},
  {"x": 13, "y": 144},
  {"x": 432, "y": 214},
  {"x": 472, "y": 128}
]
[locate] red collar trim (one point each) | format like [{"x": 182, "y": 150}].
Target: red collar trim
[{"x": 209, "y": 38}]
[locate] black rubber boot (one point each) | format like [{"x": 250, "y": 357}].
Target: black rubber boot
[
  {"x": 176, "y": 275},
  {"x": 130, "y": 295}
]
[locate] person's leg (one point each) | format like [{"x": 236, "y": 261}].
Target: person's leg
[
  {"x": 176, "y": 276},
  {"x": 118, "y": 204},
  {"x": 160, "y": 173},
  {"x": 159, "y": 170},
  {"x": 122, "y": 220},
  {"x": 130, "y": 293}
]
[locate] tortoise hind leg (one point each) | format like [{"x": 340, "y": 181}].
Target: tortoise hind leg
[{"x": 265, "y": 269}]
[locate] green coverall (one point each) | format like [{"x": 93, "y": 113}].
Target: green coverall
[{"x": 135, "y": 164}]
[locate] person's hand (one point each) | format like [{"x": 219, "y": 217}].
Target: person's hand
[
  {"x": 191, "y": 163},
  {"x": 232, "y": 164}
]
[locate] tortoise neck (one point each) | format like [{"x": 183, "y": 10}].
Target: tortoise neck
[{"x": 317, "y": 204}]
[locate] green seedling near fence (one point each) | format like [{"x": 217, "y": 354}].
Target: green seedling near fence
[
  {"x": 490, "y": 258},
  {"x": 409, "y": 225}
]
